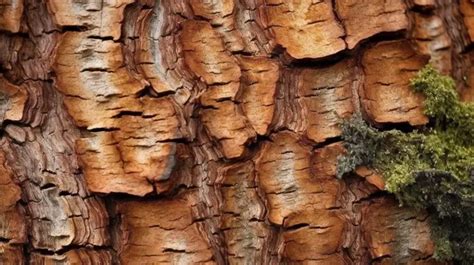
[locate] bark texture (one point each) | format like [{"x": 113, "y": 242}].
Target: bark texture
[{"x": 206, "y": 131}]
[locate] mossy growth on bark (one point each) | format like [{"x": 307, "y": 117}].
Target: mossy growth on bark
[{"x": 431, "y": 168}]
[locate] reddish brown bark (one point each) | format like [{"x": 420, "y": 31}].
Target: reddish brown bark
[{"x": 207, "y": 132}]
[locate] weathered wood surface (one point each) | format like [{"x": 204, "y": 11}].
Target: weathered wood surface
[{"x": 206, "y": 132}]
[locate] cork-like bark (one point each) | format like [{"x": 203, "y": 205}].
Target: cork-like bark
[{"x": 207, "y": 131}]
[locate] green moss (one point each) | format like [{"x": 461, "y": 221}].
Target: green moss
[
  {"x": 443, "y": 105},
  {"x": 362, "y": 143},
  {"x": 431, "y": 169}
]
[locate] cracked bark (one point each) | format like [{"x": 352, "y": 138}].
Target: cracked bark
[{"x": 206, "y": 132}]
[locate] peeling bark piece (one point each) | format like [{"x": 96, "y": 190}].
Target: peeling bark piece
[
  {"x": 151, "y": 40},
  {"x": 103, "y": 18},
  {"x": 230, "y": 130},
  {"x": 314, "y": 236},
  {"x": 386, "y": 96},
  {"x": 432, "y": 39},
  {"x": 76, "y": 256},
  {"x": 327, "y": 97},
  {"x": 130, "y": 159},
  {"x": 305, "y": 28},
  {"x": 299, "y": 201},
  {"x": 17, "y": 133},
  {"x": 101, "y": 93},
  {"x": 284, "y": 173},
  {"x": 365, "y": 18},
  {"x": 428, "y": 4},
  {"x": 245, "y": 232},
  {"x": 11, "y": 12},
  {"x": 161, "y": 231},
  {"x": 152, "y": 162},
  {"x": 205, "y": 54},
  {"x": 259, "y": 81},
  {"x": 91, "y": 75},
  {"x": 112, "y": 166},
  {"x": 371, "y": 176},
  {"x": 325, "y": 160},
  {"x": 221, "y": 15},
  {"x": 467, "y": 10},
  {"x": 103, "y": 166},
  {"x": 400, "y": 234},
  {"x": 12, "y": 101}
]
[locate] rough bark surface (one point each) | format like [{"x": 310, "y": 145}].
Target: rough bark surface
[{"x": 206, "y": 132}]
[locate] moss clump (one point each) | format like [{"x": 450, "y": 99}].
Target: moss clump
[{"x": 431, "y": 169}]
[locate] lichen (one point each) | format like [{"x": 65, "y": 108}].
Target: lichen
[{"x": 431, "y": 168}]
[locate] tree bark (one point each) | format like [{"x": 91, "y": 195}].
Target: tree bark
[{"x": 206, "y": 132}]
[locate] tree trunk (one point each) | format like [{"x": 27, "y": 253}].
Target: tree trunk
[{"x": 206, "y": 132}]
